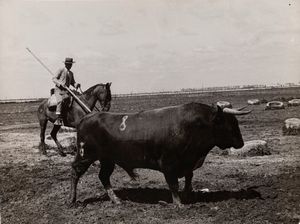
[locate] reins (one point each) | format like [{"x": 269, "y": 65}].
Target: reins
[{"x": 86, "y": 101}]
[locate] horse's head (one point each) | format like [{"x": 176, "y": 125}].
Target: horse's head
[
  {"x": 100, "y": 92},
  {"x": 103, "y": 95}
]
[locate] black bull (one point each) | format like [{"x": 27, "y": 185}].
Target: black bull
[{"x": 174, "y": 140}]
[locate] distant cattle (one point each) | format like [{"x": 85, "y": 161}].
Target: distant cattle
[
  {"x": 294, "y": 102},
  {"x": 253, "y": 102},
  {"x": 224, "y": 104},
  {"x": 251, "y": 148},
  {"x": 291, "y": 126},
  {"x": 274, "y": 105},
  {"x": 174, "y": 140}
]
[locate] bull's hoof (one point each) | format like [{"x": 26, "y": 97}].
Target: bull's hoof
[
  {"x": 164, "y": 203},
  {"x": 173, "y": 205},
  {"x": 117, "y": 202},
  {"x": 178, "y": 205}
]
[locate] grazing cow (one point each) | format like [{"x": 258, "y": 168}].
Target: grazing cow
[
  {"x": 174, "y": 140},
  {"x": 294, "y": 102},
  {"x": 253, "y": 102}
]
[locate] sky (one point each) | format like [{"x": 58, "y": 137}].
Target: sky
[{"x": 148, "y": 45}]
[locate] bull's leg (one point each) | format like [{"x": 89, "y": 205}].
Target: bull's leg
[
  {"x": 106, "y": 170},
  {"x": 53, "y": 135},
  {"x": 188, "y": 188},
  {"x": 172, "y": 181},
  {"x": 42, "y": 146},
  {"x": 79, "y": 167}
]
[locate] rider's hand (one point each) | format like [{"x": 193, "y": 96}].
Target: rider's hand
[{"x": 77, "y": 85}]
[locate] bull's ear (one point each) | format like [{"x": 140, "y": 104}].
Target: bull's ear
[{"x": 217, "y": 114}]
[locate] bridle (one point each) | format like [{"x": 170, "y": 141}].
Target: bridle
[
  {"x": 107, "y": 100},
  {"x": 103, "y": 105}
]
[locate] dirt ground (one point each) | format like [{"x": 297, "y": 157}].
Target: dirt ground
[{"x": 260, "y": 189}]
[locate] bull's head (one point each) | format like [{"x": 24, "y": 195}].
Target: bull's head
[{"x": 226, "y": 128}]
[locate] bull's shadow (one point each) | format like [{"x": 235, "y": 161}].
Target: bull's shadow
[{"x": 155, "y": 196}]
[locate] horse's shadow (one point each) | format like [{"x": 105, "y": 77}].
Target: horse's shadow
[{"x": 155, "y": 196}]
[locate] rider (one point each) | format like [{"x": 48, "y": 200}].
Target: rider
[{"x": 63, "y": 78}]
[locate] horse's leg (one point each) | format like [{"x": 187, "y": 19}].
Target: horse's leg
[
  {"x": 53, "y": 135},
  {"x": 42, "y": 146}
]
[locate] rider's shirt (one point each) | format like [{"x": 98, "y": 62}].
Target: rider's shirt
[{"x": 64, "y": 77}]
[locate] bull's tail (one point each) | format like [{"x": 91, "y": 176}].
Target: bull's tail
[{"x": 80, "y": 149}]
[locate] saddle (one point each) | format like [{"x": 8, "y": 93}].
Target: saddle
[{"x": 52, "y": 102}]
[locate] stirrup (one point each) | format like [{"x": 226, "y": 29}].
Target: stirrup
[{"x": 59, "y": 121}]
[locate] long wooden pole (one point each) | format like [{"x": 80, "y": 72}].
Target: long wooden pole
[{"x": 87, "y": 110}]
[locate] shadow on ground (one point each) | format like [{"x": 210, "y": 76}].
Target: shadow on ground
[{"x": 155, "y": 196}]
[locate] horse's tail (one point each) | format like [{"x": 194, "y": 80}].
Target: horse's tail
[{"x": 42, "y": 110}]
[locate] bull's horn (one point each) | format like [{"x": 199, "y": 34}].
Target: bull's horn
[
  {"x": 242, "y": 108},
  {"x": 235, "y": 111}
]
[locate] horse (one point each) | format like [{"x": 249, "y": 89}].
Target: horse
[{"x": 73, "y": 114}]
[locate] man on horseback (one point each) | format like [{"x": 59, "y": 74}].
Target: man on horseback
[{"x": 63, "y": 78}]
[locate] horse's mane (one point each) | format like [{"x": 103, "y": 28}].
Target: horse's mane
[{"x": 90, "y": 90}]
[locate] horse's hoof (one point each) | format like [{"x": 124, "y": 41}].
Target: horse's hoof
[
  {"x": 72, "y": 153},
  {"x": 61, "y": 153},
  {"x": 43, "y": 152}
]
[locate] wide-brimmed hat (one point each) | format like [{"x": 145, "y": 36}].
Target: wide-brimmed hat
[{"x": 69, "y": 61}]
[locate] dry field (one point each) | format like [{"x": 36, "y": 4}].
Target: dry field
[{"x": 261, "y": 189}]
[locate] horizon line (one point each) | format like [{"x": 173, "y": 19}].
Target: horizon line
[{"x": 182, "y": 91}]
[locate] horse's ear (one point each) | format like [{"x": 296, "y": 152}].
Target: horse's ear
[
  {"x": 107, "y": 85},
  {"x": 110, "y": 83}
]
